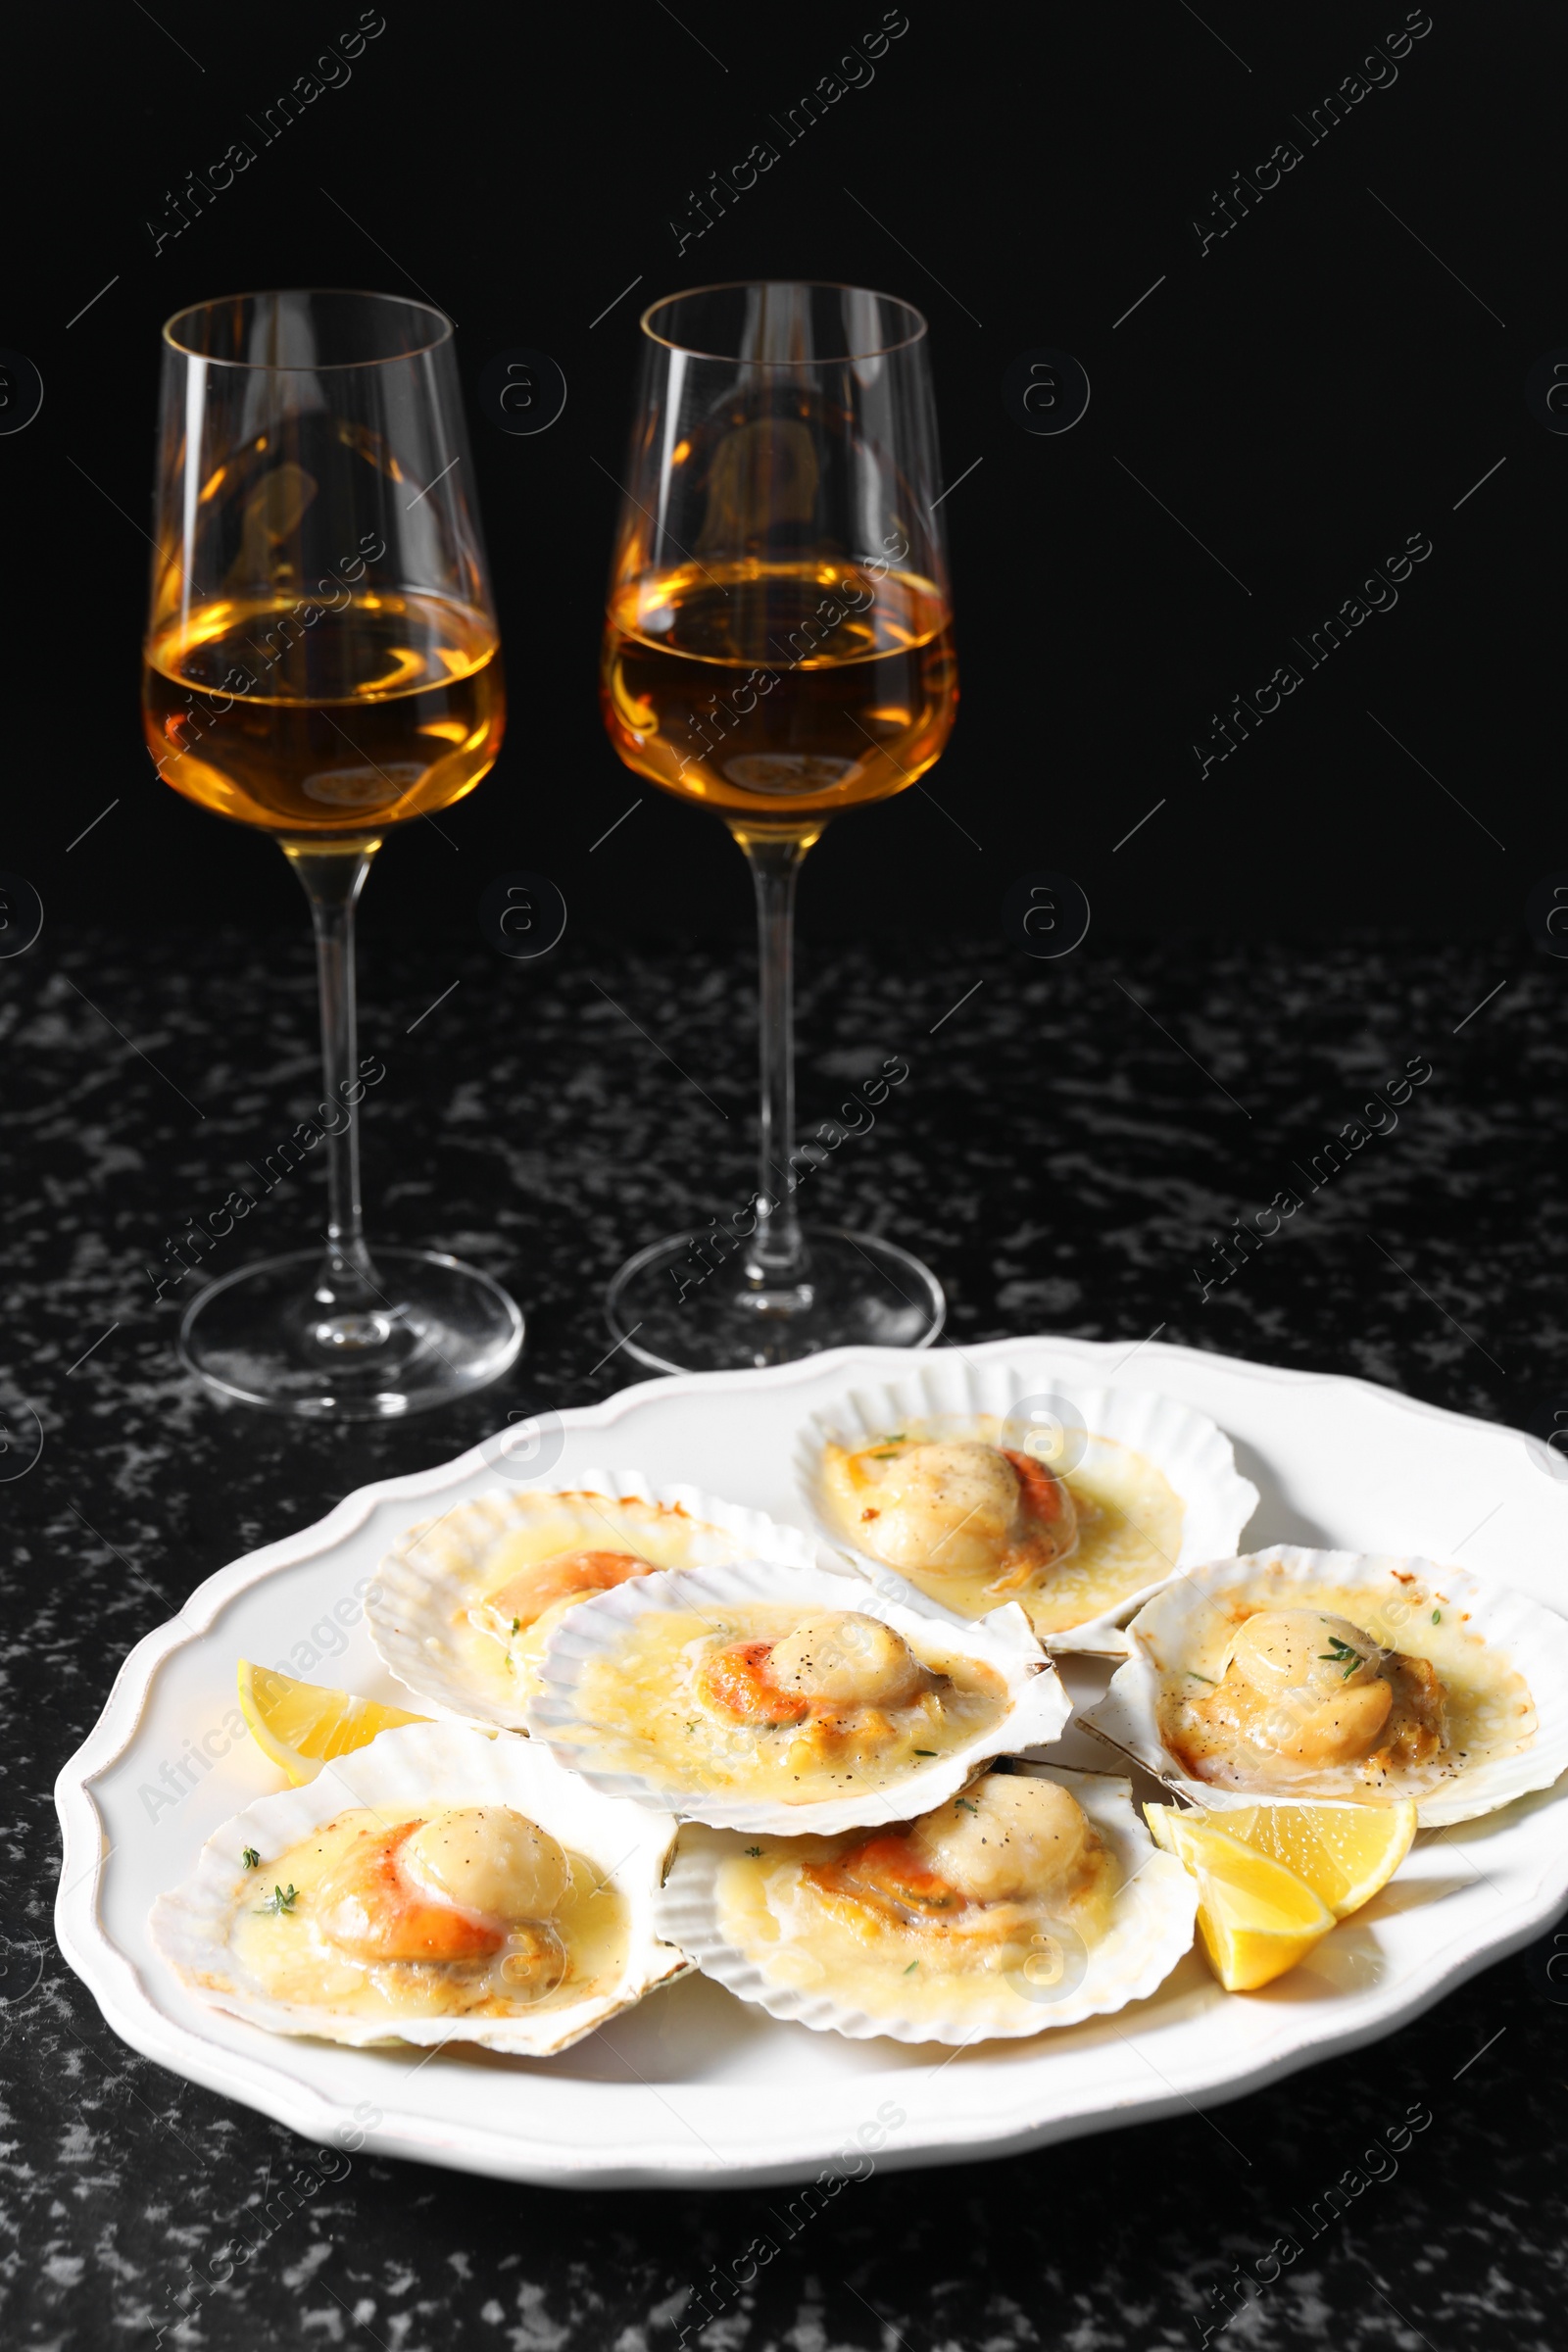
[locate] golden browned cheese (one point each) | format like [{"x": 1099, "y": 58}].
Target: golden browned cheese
[
  {"x": 1307, "y": 1691},
  {"x": 780, "y": 1703},
  {"x": 1419, "y": 1727}
]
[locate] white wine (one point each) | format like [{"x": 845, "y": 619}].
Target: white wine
[
  {"x": 776, "y": 690},
  {"x": 388, "y": 710}
]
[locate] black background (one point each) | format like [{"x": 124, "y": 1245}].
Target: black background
[
  {"x": 1305, "y": 395},
  {"x": 1303, "y": 398}
]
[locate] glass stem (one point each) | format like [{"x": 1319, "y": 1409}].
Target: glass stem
[
  {"x": 777, "y": 1259},
  {"x": 332, "y": 876}
]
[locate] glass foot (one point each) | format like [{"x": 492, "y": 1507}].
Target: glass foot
[
  {"x": 263, "y": 1336},
  {"x": 678, "y": 1308}
]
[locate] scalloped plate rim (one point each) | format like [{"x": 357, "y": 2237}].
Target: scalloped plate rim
[{"x": 641, "y": 2161}]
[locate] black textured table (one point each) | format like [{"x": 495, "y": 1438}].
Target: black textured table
[{"x": 1072, "y": 1142}]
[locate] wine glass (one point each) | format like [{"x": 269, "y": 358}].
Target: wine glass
[
  {"x": 322, "y": 662},
  {"x": 778, "y": 647}
]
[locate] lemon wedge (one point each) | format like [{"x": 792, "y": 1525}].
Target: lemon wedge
[
  {"x": 1346, "y": 1853},
  {"x": 300, "y": 1725},
  {"x": 1256, "y": 1918}
]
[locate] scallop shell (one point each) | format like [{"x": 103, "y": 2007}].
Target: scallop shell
[
  {"x": 1186, "y": 1447},
  {"x": 1391, "y": 1598},
  {"x": 1035, "y": 1714},
  {"x": 1151, "y": 1927},
  {"x": 437, "y": 1568},
  {"x": 426, "y": 1765}
]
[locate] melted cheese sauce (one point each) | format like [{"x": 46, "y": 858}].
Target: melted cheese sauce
[
  {"x": 505, "y": 1664},
  {"x": 1489, "y": 1707},
  {"x": 641, "y": 1712},
  {"x": 1130, "y": 1521},
  {"x": 986, "y": 1979},
  {"x": 286, "y": 1955}
]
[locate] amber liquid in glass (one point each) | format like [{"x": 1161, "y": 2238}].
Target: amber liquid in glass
[
  {"x": 359, "y": 721},
  {"x": 772, "y": 691}
]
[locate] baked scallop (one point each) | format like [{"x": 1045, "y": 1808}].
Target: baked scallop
[
  {"x": 1032, "y": 1898},
  {"x": 462, "y": 1605},
  {"x": 436, "y": 1886},
  {"x": 763, "y": 1696},
  {"x": 1299, "y": 1673},
  {"x": 1076, "y": 1505}
]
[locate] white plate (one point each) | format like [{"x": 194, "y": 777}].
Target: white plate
[{"x": 693, "y": 2087}]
